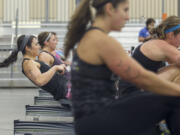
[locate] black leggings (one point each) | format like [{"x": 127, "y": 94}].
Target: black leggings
[{"x": 132, "y": 115}]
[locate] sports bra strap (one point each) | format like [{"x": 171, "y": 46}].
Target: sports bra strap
[{"x": 47, "y": 52}]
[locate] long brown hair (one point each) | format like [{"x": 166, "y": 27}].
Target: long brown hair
[
  {"x": 43, "y": 36},
  {"x": 81, "y": 18},
  {"x": 159, "y": 31}
]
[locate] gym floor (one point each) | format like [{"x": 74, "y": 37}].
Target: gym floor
[{"x": 12, "y": 107}]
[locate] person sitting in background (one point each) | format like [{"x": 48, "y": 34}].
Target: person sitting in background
[{"x": 144, "y": 34}]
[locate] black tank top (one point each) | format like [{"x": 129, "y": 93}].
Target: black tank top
[
  {"x": 56, "y": 86},
  {"x": 147, "y": 63},
  {"x": 59, "y": 62},
  {"x": 92, "y": 87},
  {"x": 125, "y": 87},
  {"x": 56, "y": 60}
]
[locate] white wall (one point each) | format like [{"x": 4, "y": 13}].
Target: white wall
[
  {"x": 62, "y": 9},
  {"x": 10, "y": 7},
  {"x": 152, "y": 8}
]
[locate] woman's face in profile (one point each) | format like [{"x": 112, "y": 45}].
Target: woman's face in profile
[
  {"x": 151, "y": 26},
  {"x": 35, "y": 47},
  {"x": 120, "y": 16}
]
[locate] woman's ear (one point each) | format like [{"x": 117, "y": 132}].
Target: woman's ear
[
  {"x": 109, "y": 9},
  {"x": 46, "y": 43},
  {"x": 27, "y": 49}
]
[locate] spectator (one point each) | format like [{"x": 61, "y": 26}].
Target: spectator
[{"x": 144, "y": 33}]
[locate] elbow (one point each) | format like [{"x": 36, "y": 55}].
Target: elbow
[
  {"x": 40, "y": 83},
  {"x": 136, "y": 77},
  {"x": 143, "y": 81}
]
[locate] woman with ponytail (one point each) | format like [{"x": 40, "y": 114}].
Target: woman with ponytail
[
  {"x": 97, "y": 57},
  {"x": 38, "y": 72},
  {"x": 48, "y": 41},
  {"x": 163, "y": 48},
  {"x": 12, "y": 58}
]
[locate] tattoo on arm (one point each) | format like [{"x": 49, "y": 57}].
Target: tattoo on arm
[
  {"x": 31, "y": 75},
  {"x": 128, "y": 72}
]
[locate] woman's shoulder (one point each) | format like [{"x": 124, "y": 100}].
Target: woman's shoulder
[
  {"x": 156, "y": 42},
  {"x": 99, "y": 38},
  {"x": 30, "y": 63},
  {"x": 45, "y": 54},
  {"x": 160, "y": 45},
  {"x": 46, "y": 57},
  {"x": 163, "y": 44}
]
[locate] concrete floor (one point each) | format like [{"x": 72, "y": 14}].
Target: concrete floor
[{"x": 12, "y": 107}]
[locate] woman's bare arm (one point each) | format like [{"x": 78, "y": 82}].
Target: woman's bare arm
[
  {"x": 113, "y": 54},
  {"x": 171, "y": 53},
  {"x": 46, "y": 58},
  {"x": 33, "y": 73}
]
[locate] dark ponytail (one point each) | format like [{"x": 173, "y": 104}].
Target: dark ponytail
[
  {"x": 77, "y": 26},
  {"x": 81, "y": 18},
  {"x": 14, "y": 54},
  {"x": 12, "y": 58}
]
